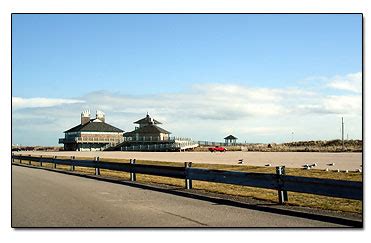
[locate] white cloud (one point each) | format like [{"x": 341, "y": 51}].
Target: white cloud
[
  {"x": 205, "y": 112},
  {"x": 331, "y": 104},
  {"x": 204, "y": 101},
  {"x": 344, "y": 104},
  {"x": 351, "y": 82},
  {"x": 19, "y": 102}
]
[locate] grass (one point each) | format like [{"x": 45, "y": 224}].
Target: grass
[{"x": 296, "y": 199}]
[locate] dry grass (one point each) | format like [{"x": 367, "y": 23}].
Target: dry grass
[{"x": 297, "y": 199}]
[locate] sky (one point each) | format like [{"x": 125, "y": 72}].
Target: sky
[{"x": 262, "y": 78}]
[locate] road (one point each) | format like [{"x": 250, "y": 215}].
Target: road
[{"x": 43, "y": 198}]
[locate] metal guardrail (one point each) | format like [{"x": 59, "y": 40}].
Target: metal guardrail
[{"x": 279, "y": 181}]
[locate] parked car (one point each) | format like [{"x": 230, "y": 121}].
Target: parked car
[{"x": 217, "y": 148}]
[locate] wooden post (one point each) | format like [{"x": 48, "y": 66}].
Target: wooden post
[
  {"x": 29, "y": 162},
  {"x": 188, "y": 182},
  {"x": 97, "y": 170},
  {"x": 72, "y": 165},
  {"x": 41, "y": 163},
  {"x": 55, "y": 165},
  {"x": 133, "y": 175},
  {"x": 282, "y": 195},
  {"x": 20, "y": 158},
  {"x": 12, "y": 157}
]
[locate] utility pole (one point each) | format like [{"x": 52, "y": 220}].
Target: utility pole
[{"x": 342, "y": 132}]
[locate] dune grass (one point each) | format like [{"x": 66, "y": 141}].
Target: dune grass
[{"x": 296, "y": 199}]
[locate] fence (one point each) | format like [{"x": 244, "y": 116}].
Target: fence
[
  {"x": 279, "y": 181},
  {"x": 91, "y": 140},
  {"x": 176, "y": 146},
  {"x": 210, "y": 143}
]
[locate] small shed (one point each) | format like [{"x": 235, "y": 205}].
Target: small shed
[{"x": 230, "y": 140}]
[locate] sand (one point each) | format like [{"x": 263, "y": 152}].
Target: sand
[{"x": 343, "y": 161}]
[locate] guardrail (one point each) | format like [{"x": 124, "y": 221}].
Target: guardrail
[{"x": 279, "y": 181}]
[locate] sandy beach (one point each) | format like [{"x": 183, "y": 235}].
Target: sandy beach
[{"x": 343, "y": 161}]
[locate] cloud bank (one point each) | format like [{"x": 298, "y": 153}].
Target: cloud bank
[
  {"x": 19, "y": 102},
  {"x": 351, "y": 82},
  {"x": 208, "y": 111}
]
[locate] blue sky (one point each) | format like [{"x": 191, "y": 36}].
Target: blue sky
[{"x": 260, "y": 77}]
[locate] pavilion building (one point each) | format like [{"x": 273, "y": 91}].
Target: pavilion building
[
  {"x": 148, "y": 131},
  {"x": 148, "y": 136},
  {"x": 92, "y": 134},
  {"x": 230, "y": 140}
]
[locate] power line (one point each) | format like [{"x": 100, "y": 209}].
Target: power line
[{"x": 342, "y": 132}]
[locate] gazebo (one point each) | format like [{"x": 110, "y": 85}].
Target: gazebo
[{"x": 230, "y": 140}]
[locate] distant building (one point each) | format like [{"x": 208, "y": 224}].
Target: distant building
[
  {"x": 230, "y": 140},
  {"x": 148, "y": 131},
  {"x": 148, "y": 136},
  {"x": 91, "y": 134}
]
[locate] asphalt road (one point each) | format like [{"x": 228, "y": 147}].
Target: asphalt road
[{"x": 48, "y": 199}]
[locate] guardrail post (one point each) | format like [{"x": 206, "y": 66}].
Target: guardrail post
[
  {"x": 41, "y": 163},
  {"x": 282, "y": 195},
  {"x": 72, "y": 163},
  {"x": 97, "y": 170},
  {"x": 54, "y": 165},
  {"x": 133, "y": 176},
  {"x": 188, "y": 182}
]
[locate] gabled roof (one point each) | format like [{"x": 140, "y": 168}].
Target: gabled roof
[
  {"x": 147, "y": 120},
  {"x": 150, "y": 129},
  {"x": 230, "y": 137},
  {"x": 94, "y": 127}
]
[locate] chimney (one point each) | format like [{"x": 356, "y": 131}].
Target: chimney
[
  {"x": 85, "y": 117},
  {"x": 100, "y": 115}
]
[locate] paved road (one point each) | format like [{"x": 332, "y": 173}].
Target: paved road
[{"x": 48, "y": 199}]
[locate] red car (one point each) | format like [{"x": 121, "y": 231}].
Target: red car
[{"x": 217, "y": 148}]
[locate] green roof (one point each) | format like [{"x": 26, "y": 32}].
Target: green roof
[
  {"x": 94, "y": 127},
  {"x": 230, "y": 137},
  {"x": 150, "y": 129},
  {"x": 147, "y": 120}
]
